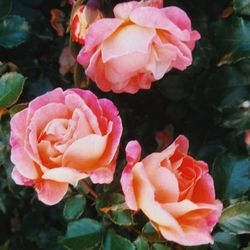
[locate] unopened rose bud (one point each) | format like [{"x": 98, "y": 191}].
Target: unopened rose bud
[
  {"x": 82, "y": 18},
  {"x": 247, "y": 138}
]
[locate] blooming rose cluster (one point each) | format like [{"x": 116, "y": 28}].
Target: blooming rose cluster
[{"x": 63, "y": 137}]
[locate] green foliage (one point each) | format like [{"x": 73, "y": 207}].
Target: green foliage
[
  {"x": 236, "y": 218},
  {"x": 74, "y": 207},
  {"x": 11, "y": 86},
  {"x": 14, "y": 30},
  {"x": 208, "y": 102},
  {"x": 223, "y": 240},
  {"x": 113, "y": 241},
  {"x": 83, "y": 234},
  {"x": 231, "y": 175}
]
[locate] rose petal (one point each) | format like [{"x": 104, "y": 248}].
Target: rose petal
[
  {"x": 157, "y": 20},
  {"x": 50, "y": 192},
  {"x": 65, "y": 175},
  {"x": 99, "y": 31},
  {"x": 84, "y": 154},
  {"x": 144, "y": 193},
  {"x": 20, "y": 179},
  {"x": 131, "y": 38},
  {"x": 133, "y": 154}
]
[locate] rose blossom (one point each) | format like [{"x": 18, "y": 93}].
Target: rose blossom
[
  {"x": 82, "y": 18},
  {"x": 62, "y": 137},
  {"x": 174, "y": 191},
  {"x": 138, "y": 46}
]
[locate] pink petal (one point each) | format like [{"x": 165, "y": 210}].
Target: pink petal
[
  {"x": 64, "y": 175},
  {"x": 144, "y": 193},
  {"x": 105, "y": 174},
  {"x": 178, "y": 17},
  {"x": 183, "y": 144},
  {"x": 157, "y": 20},
  {"x": 133, "y": 154},
  {"x": 84, "y": 154},
  {"x": 128, "y": 39},
  {"x": 123, "y": 10},
  {"x": 161, "y": 59},
  {"x": 73, "y": 102},
  {"x": 20, "y": 179},
  {"x": 18, "y": 127},
  {"x": 50, "y": 192},
  {"x": 96, "y": 71},
  {"x": 99, "y": 31},
  {"x": 23, "y": 163},
  {"x": 190, "y": 238},
  {"x": 153, "y": 3},
  {"x": 113, "y": 141},
  {"x": 54, "y": 96}
]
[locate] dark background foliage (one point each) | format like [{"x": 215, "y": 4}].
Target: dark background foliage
[{"x": 209, "y": 103}]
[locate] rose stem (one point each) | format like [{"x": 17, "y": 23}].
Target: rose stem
[{"x": 89, "y": 188}]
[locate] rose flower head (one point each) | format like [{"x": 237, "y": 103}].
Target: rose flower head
[
  {"x": 61, "y": 138},
  {"x": 82, "y": 18},
  {"x": 174, "y": 191},
  {"x": 138, "y": 46}
]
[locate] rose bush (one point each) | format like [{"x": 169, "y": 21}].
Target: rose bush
[
  {"x": 130, "y": 51},
  {"x": 174, "y": 191},
  {"x": 63, "y": 137}
]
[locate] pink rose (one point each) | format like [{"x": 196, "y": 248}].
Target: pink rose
[
  {"x": 62, "y": 137},
  {"x": 82, "y": 18},
  {"x": 138, "y": 46},
  {"x": 174, "y": 191}
]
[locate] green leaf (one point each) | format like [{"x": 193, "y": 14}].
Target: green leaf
[
  {"x": 231, "y": 176},
  {"x": 122, "y": 218},
  {"x": 150, "y": 233},
  {"x": 74, "y": 207},
  {"x": 5, "y": 7},
  {"x": 113, "y": 241},
  {"x": 223, "y": 240},
  {"x": 141, "y": 243},
  {"x": 232, "y": 36},
  {"x": 237, "y": 118},
  {"x": 236, "y": 218},
  {"x": 83, "y": 234},
  {"x": 158, "y": 246},
  {"x": 17, "y": 108},
  {"x": 242, "y": 7},
  {"x": 11, "y": 86},
  {"x": 227, "y": 87},
  {"x": 14, "y": 30}
]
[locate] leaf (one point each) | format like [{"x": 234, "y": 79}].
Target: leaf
[
  {"x": 17, "y": 108},
  {"x": 5, "y": 7},
  {"x": 74, "y": 207},
  {"x": 11, "y": 86},
  {"x": 232, "y": 37},
  {"x": 242, "y": 7},
  {"x": 141, "y": 243},
  {"x": 158, "y": 246},
  {"x": 231, "y": 176},
  {"x": 223, "y": 240},
  {"x": 237, "y": 118},
  {"x": 14, "y": 30},
  {"x": 114, "y": 241},
  {"x": 83, "y": 234},
  {"x": 150, "y": 233},
  {"x": 122, "y": 218},
  {"x": 227, "y": 87},
  {"x": 236, "y": 218}
]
